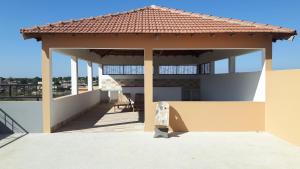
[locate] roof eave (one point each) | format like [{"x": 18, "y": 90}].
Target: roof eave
[
  {"x": 276, "y": 36},
  {"x": 284, "y": 36},
  {"x": 27, "y": 35}
]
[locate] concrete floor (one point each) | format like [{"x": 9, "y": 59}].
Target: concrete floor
[
  {"x": 6, "y": 139},
  {"x": 241, "y": 150},
  {"x": 105, "y": 118}
]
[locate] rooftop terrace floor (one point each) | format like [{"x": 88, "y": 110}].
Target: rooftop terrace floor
[
  {"x": 221, "y": 150},
  {"x": 105, "y": 118}
]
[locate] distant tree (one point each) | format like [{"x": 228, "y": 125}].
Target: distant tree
[
  {"x": 35, "y": 80},
  {"x": 23, "y": 81},
  {"x": 68, "y": 78},
  {"x": 56, "y": 83}
]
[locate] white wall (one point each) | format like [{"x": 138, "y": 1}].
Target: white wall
[
  {"x": 248, "y": 86},
  {"x": 159, "y": 93},
  {"x": 260, "y": 94},
  {"x": 68, "y": 106},
  {"x": 27, "y": 113}
]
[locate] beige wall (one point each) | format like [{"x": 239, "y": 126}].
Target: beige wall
[
  {"x": 213, "y": 116},
  {"x": 283, "y": 104}
]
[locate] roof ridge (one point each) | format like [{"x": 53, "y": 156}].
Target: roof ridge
[{"x": 225, "y": 19}]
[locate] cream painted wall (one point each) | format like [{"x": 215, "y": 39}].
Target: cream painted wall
[
  {"x": 213, "y": 116},
  {"x": 283, "y": 104},
  {"x": 233, "y": 87},
  {"x": 69, "y": 106}
]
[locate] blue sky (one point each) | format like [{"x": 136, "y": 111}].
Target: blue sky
[{"x": 20, "y": 58}]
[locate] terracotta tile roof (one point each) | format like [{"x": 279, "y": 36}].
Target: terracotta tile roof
[{"x": 155, "y": 19}]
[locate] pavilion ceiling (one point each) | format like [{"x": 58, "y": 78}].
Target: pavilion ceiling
[{"x": 121, "y": 52}]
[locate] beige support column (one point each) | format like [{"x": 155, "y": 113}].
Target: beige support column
[
  {"x": 74, "y": 75},
  {"x": 231, "y": 64},
  {"x": 47, "y": 88},
  {"x": 267, "y": 68},
  {"x": 148, "y": 88},
  {"x": 268, "y": 57},
  {"x": 90, "y": 75}
]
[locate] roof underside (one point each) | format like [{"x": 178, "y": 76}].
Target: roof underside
[{"x": 154, "y": 19}]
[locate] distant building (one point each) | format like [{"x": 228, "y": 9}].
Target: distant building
[{"x": 3, "y": 81}]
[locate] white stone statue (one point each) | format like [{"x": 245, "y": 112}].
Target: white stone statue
[
  {"x": 162, "y": 120},
  {"x": 162, "y": 114}
]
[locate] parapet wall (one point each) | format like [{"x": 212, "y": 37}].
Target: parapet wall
[
  {"x": 283, "y": 104},
  {"x": 27, "y": 113},
  {"x": 212, "y": 116}
]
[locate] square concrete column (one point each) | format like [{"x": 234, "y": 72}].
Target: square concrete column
[
  {"x": 74, "y": 75},
  {"x": 100, "y": 76},
  {"x": 148, "y": 89},
  {"x": 212, "y": 67},
  {"x": 231, "y": 64},
  {"x": 90, "y": 75},
  {"x": 47, "y": 88},
  {"x": 267, "y": 56}
]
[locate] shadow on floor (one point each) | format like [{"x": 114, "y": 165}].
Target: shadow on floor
[
  {"x": 10, "y": 129},
  {"x": 115, "y": 124},
  {"x": 6, "y": 139},
  {"x": 103, "y": 117},
  {"x": 176, "y": 134}
]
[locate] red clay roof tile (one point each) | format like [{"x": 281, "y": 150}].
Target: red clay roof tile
[{"x": 155, "y": 19}]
